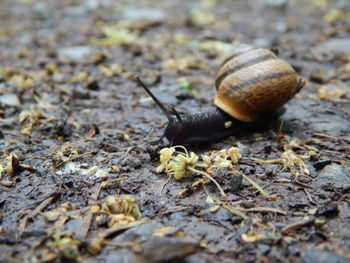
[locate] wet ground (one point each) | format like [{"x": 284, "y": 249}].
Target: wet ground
[{"x": 76, "y": 128}]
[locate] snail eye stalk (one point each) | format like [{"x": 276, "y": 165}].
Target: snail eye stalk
[
  {"x": 174, "y": 111},
  {"x": 166, "y": 112}
]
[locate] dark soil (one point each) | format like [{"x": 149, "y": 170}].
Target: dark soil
[{"x": 66, "y": 88}]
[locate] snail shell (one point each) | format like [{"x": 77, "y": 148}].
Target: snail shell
[{"x": 254, "y": 81}]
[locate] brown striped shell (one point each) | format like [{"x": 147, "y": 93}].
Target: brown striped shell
[{"x": 254, "y": 81}]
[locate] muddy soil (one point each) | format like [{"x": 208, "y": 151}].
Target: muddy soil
[{"x": 75, "y": 128}]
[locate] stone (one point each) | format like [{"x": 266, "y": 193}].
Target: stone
[
  {"x": 138, "y": 233},
  {"x": 284, "y": 175},
  {"x": 262, "y": 42},
  {"x": 133, "y": 13},
  {"x": 73, "y": 225},
  {"x": 276, "y": 3},
  {"x": 332, "y": 127},
  {"x": 78, "y": 53},
  {"x": 333, "y": 174},
  {"x": 59, "y": 77},
  {"x": 41, "y": 9},
  {"x": 321, "y": 164},
  {"x": 244, "y": 150},
  {"x": 335, "y": 45},
  {"x": 313, "y": 255},
  {"x": 9, "y": 99},
  {"x": 264, "y": 249},
  {"x": 130, "y": 161},
  {"x": 235, "y": 182},
  {"x": 165, "y": 249},
  {"x": 120, "y": 256}
]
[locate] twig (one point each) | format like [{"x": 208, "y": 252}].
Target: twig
[
  {"x": 13, "y": 134},
  {"x": 167, "y": 181},
  {"x": 128, "y": 150},
  {"x": 273, "y": 161},
  {"x": 105, "y": 183},
  {"x": 255, "y": 185},
  {"x": 233, "y": 211},
  {"x": 302, "y": 184},
  {"x": 123, "y": 244},
  {"x": 309, "y": 197},
  {"x": 265, "y": 209},
  {"x": 210, "y": 178},
  {"x": 8, "y": 258},
  {"x": 36, "y": 211},
  {"x": 333, "y": 31},
  {"x": 298, "y": 225},
  {"x": 174, "y": 209},
  {"x": 74, "y": 158},
  {"x": 116, "y": 229},
  {"x": 82, "y": 232},
  {"x": 322, "y": 135}
]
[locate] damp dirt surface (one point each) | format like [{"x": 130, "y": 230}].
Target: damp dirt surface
[{"x": 75, "y": 128}]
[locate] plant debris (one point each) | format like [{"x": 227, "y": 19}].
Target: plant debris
[{"x": 80, "y": 175}]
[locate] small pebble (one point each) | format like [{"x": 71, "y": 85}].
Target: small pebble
[
  {"x": 313, "y": 255},
  {"x": 264, "y": 249},
  {"x": 328, "y": 210},
  {"x": 139, "y": 233},
  {"x": 322, "y": 163},
  {"x": 166, "y": 249},
  {"x": 244, "y": 150},
  {"x": 334, "y": 175},
  {"x": 77, "y": 53},
  {"x": 130, "y": 161},
  {"x": 236, "y": 181},
  {"x": 137, "y": 14},
  {"x": 276, "y": 3},
  {"x": 9, "y": 99},
  {"x": 284, "y": 175},
  {"x": 335, "y": 45}
]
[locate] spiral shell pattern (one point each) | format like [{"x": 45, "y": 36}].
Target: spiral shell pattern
[{"x": 253, "y": 82}]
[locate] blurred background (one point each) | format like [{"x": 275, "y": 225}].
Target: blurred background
[
  {"x": 165, "y": 36},
  {"x": 86, "y": 50},
  {"x": 66, "y": 89}
]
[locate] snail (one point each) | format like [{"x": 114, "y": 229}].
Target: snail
[{"x": 252, "y": 86}]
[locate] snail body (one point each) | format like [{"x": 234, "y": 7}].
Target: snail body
[
  {"x": 208, "y": 126},
  {"x": 252, "y": 84}
]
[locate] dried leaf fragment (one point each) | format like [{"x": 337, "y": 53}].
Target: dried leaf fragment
[
  {"x": 115, "y": 35},
  {"x": 120, "y": 210},
  {"x": 65, "y": 245}
]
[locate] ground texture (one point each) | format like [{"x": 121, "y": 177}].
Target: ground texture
[{"x": 75, "y": 133}]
